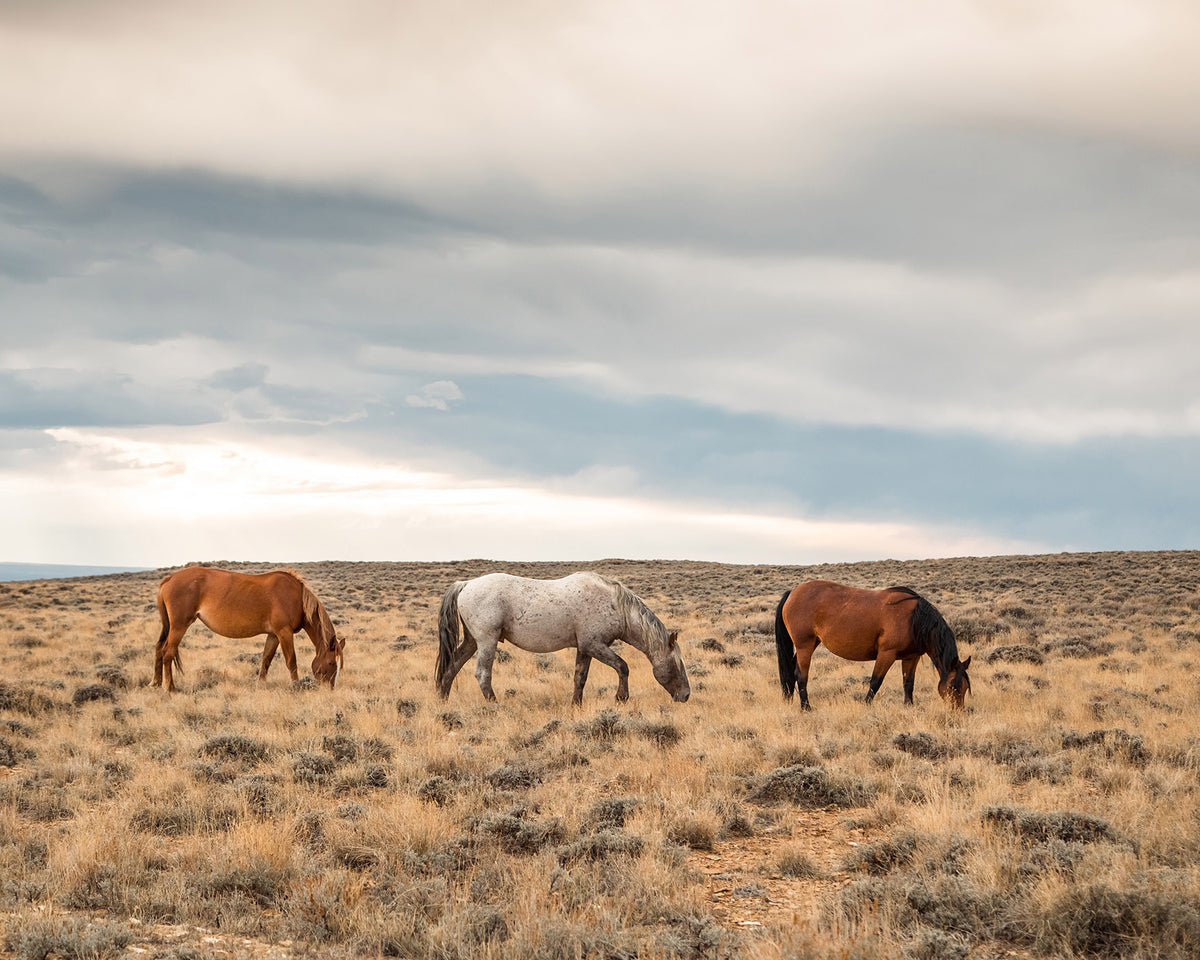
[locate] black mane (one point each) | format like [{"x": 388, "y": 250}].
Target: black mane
[{"x": 930, "y": 627}]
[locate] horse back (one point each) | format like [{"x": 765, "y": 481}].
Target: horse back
[
  {"x": 235, "y": 604},
  {"x": 851, "y": 622},
  {"x": 538, "y": 615}
]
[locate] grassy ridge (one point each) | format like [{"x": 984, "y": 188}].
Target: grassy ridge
[{"x": 1057, "y": 817}]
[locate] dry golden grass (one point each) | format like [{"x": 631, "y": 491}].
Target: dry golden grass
[{"x": 1059, "y": 816}]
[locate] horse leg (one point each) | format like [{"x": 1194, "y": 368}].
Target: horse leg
[
  {"x": 483, "y": 667},
  {"x": 466, "y": 650},
  {"x": 289, "y": 652},
  {"x": 159, "y": 650},
  {"x": 606, "y": 654},
  {"x": 909, "y": 667},
  {"x": 582, "y": 662},
  {"x": 170, "y": 651},
  {"x": 269, "y": 648},
  {"x": 883, "y": 663},
  {"x": 804, "y": 654}
]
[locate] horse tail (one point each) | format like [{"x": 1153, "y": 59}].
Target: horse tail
[
  {"x": 162, "y": 613},
  {"x": 785, "y": 650},
  {"x": 447, "y": 631}
]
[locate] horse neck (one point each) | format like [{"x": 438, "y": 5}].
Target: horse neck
[
  {"x": 942, "y": 649},
  {"x": 314, "y": 622},
  {"x": 641, "y": 627}
]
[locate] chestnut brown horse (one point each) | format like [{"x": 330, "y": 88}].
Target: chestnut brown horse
[
  {"x": 880, "y": 625},
  {"x": 242, "y": 605}
]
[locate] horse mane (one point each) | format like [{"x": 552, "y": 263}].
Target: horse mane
[
  {"x": 314, "y": 610},
  {"x": 928, "y": 625},
  {"x": 634, "y": 612}
]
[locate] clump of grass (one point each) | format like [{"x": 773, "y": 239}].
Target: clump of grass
[
  {"x": 511, "y": 777},
  {"x": 13, "y": 753},
  {"x": 611, "y": 812},
  {"x": 883, "y": 857},
  {"x": 697, "y": 832},
  {"x": 46, "y": 936},
  {"x": 93, "y": 692},
  {"x": 112, "y": 674},
  {"x": 663, "y": 734},
  {"x": 1146, "y": 921},
  {"x": 515, "y": 833},
  {"x": 437, "y": 790},
  {"x": 920, "y": 745},
  {"x": 1116, "y": 742},
  {"x": 22, "y": 699},
  {"x": 796, "y": 862},
  {"x": 600, "y": 845},
  {"x": 605, "y": 725},
  {"x": 1059, "y": 825},
  {"x": 1016, "y": 653},
  {"x": 810, "y": 787},
  {"x": 1078, "y": 648},
  {"x": 235, "y": 746}
]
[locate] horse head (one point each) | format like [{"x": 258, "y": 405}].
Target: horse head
[
  {"x": 669, "y": 670},
  {"x": 955, "y": 685},
  {"x": 327, "y": 666}
]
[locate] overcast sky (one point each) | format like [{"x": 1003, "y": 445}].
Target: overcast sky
[{"x": 743, "y": 281}]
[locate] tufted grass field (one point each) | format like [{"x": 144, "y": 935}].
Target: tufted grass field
[{"x": 1059, "y": 816}]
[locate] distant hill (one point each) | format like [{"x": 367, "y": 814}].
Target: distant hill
[{"x": 54, "y": 571}]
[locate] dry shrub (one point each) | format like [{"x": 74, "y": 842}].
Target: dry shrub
[
  {"x": 1015, "y": 653},
  {"x": 74, "y": 938},
  {"x": 1031, "y": 825},
  {"x": 920, "y": 745},
  {"x": 883, "y": 857},
  {"x": 600, "y": 845},
  {"x": 810, "y": 787},
  {"x": 1146, "y": 921}
]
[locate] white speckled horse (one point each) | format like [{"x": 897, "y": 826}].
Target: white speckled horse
[{"x": 585, "y": 611}]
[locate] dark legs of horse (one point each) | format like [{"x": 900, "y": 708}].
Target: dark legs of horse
[
  {"x": 582, "y": 662},
  {"x": 464, "y": 652},
  {"x": 910, "y": 674},
  {"x": 804, "y": 655},
  {"x": 883, "y": 663}
]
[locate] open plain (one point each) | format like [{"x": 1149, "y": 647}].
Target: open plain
[{"x": 1059, "y": 816}]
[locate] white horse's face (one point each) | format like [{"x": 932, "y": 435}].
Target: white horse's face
[{"x": 670, "y": 672}]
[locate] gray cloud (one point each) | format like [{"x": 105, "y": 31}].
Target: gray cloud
[{"x": 763, "y": 258}]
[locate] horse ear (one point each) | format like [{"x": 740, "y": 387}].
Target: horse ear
[
  {"x": 966, "y": 663},
  {"x": 672, "y": 638}
]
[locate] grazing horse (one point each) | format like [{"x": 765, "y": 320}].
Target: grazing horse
[
  {"x": 585, "y": 611},
  {"x": 244, "y": 605},
  {"x": 880, "y": 625}
]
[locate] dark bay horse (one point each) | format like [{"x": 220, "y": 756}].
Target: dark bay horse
[
  {"x": 585, "y": 611},
  {"x": 244, "y": 605},
  {"x": 880, "y": 625}
]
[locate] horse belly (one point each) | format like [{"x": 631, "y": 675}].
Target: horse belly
[
  {"x": 847, "y": 640},
  {"x": 231, "y": 623},
  {"x": 540, "y": 628}
]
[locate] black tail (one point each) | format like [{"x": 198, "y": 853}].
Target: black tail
[
  {"x": 789, "y": 670},
  {"x": 447, "y": 634}
]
